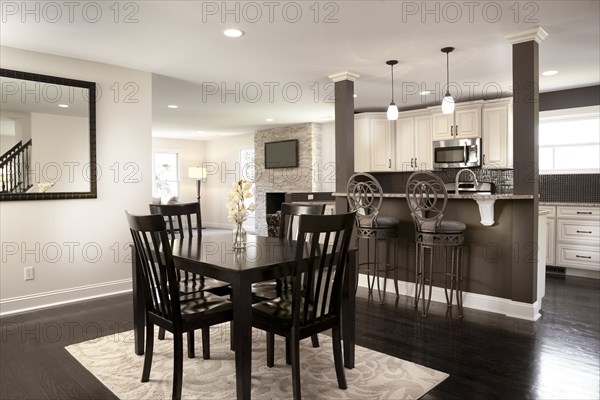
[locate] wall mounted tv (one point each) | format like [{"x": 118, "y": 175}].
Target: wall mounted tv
[{"x": 282, "y": 154}]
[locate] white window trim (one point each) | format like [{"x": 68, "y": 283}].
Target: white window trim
[{"x": 171, "y": 151}]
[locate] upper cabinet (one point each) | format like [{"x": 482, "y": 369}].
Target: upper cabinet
[
  {"x": 413, "y": 141},
  {"x": 373, "y": 143},
  {"x": 465, "y": 122},
  {"x": 497, "y": 134}
]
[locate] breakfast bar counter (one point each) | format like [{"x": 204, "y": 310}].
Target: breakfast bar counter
[{"x": 500, "y": 272}]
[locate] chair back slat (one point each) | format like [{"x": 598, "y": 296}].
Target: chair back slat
[
  {"x": 156, "y": 272},
  {"x": 317, "y": 282}
]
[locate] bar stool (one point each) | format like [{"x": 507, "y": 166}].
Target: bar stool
[
  {"x": 365, "y": 196},
  {"x": 427, "y": 198}
]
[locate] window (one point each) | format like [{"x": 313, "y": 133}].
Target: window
[
  {"x": 166, "y": 175},
  {"x": 569, "y": 141},
  {"x": 247, "y": 172}
]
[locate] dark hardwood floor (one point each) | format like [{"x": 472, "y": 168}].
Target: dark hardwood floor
[{"x": 488, "y": 356}]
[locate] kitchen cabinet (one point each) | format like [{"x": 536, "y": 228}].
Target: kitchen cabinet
[
  {"x": 577, "y": 237},
  {"x": 497, "y": 134},
  {"x": 551, "y": 232},
  {"x": 465, "y": 122},
  {"x": 413, "y": 141},
  {"x": 373, "y": 143}
]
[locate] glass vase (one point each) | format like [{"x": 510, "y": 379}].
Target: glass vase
[{"x": 239, "y": 236}]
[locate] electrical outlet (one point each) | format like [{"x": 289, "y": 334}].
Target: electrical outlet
[
  {"x": 28, "y": 273},
  {"x": 311, "y": 196}
]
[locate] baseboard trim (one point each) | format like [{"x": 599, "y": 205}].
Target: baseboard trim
[
  {"x": 514, "y": 309},
  {"x": 20, "y": 304},
  {"x": 582, "y": 273}
]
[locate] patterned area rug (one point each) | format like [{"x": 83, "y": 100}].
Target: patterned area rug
[{"x": 376, "y": 376}]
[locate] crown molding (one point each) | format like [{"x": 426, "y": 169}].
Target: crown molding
[
  {"x": 536, "y": 34},
  {"x": 344, "y": 76}
]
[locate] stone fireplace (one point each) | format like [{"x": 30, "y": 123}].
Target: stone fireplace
[{"x": 276, "y": 182}]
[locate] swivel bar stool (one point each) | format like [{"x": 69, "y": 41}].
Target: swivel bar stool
[
  {"x": 365, "y": 196},
  {"x": 427, "y": 198}
]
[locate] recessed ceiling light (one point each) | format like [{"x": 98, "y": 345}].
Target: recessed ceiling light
[
  {"x": 63, "y": 105},
  {"x": 549, "y": 73},
  {"x": 173, "y": 106},
  {"x": 425, "y": 92},
  {"x": 233, "y": 33},
  {"x": 269, "y": 119},
  {"x": 355, "y": 95}
]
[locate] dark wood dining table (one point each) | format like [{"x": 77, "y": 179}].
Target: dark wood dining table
[{"x": 264, "y": 258}]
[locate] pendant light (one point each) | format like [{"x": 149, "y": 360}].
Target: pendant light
[
  {"x": 392, "y": 111},
  {"x": 448, "y": 101}
]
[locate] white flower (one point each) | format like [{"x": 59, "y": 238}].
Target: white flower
[{"x": 237, "y": 209}]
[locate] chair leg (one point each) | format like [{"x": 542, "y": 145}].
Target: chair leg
[
  {"x": 288, "y": 356},
  {"x": 295, "y": 360},
  {"x": 270, "y": 349},
  {"x": 377, "y": 272},
  {"x": 426, "y": 305},
  {"x": 418, "y": 273},
  {"x": 231, "y": 338},
  {"x": 337, "y": 357},
  {"x": 161, "y": 333},
  {"x": 149, "y": 351},
  {"x": 397, "y": 245},
  {"x": 206, "y": 343},
  {"x": 448, "y": 276},
  {"x": 191, "y": 345},
  {"x": 315, "y": 340},
  {"x": 177, "y": 364},
  {"x": 459, "y": 281}
]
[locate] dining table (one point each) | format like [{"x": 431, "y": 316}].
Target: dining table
[{"x": 263, "y": 258}]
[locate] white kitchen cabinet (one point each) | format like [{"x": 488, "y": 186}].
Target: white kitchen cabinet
[
  {"x": 413, "y": 141},
  {"x": 578, "y": 237},
  {"x": 497, "y": 134},
  {"x": 551, "y": 232},
  {"x": 373, "y": 143},
  {"x": 465, "y": 122}
]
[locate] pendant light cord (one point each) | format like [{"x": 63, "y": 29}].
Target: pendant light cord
[
  {"x": 448, "y": 72},
  {"x": 392, "y": 82}
]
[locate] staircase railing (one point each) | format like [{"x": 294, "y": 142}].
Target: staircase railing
[{"x": 14, "y": 167}]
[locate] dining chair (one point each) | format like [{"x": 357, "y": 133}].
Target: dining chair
[
  {"x": 313, "y": 304},
  {"x": 288, "y": 215},
  {"x": 427, "y": 198},
  {"x": 162, "y": 303},
  {"x": 185, "y": 220}
]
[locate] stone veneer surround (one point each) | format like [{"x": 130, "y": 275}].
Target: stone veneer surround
[{"x": 301, "y": 179}]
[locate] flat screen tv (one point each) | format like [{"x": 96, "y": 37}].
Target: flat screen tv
[{"x": 282, "y": 154}]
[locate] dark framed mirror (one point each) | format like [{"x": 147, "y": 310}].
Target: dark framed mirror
[{"x": 47, "y": 137}]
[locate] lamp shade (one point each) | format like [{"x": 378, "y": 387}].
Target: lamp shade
[
  {"x": 197, "y": 172},
  {"x": 448, "y": 104},
  {"x": 392, "y": 112}
]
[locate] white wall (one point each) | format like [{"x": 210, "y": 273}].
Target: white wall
[
  {"x": 223, "y": 164},
  {"x": 79, "y": 248}
]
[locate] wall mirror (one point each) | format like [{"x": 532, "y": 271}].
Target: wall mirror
[{"x": 47, "y": 137}]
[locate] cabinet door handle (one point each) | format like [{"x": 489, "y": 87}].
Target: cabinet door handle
[
  {"x": 483, "y": 159},
  {"x": 456, "y": 130},
  {"x": 586, "y": 257},
  {"x": 416, "y": 164},
  {"x": 584, "y": 212},
  {"x": 452, "y": 130},
  {"x": 584, "y": 231},
  {"x": 389, "y": 163}
]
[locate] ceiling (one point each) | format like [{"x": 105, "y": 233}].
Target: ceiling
[{"x": 279, "y": 68}]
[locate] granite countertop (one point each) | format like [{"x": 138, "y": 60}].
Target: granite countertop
[
  {"x": 555, "y": 203},
  {"x": 461, "y": 196}
]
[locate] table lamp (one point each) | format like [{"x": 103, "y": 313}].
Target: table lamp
[{"x": 198, "y": 173}]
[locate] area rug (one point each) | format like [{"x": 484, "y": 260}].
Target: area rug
[{"x": 376, "y": 376}]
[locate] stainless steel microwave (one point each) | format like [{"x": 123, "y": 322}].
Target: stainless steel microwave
[{"x": 458, "y": 153}]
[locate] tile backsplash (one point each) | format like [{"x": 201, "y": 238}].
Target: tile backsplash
[{"x": 571, "y": 188}]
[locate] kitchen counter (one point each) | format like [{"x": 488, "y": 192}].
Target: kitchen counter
[
  {"x": 556, "y": 203},
  {"x": 473, "y": 196}
]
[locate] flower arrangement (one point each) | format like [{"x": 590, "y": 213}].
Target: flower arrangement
[{"x": 237, "y": 210}]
